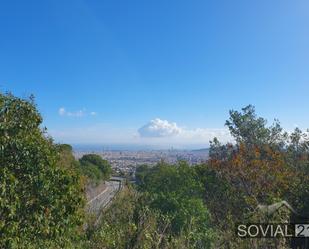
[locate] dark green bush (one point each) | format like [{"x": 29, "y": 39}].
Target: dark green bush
[{"x": 95, "y": 168}]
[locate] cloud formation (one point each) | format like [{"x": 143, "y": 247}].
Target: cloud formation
[
  {"x": 158, "y": 133},
  {"x": 80, "y": 113},
  {"x": 163, "y": 131},
  {"x": 159, "y": 128}
]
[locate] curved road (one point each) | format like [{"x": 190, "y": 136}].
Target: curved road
[{"x": 104, "y": 198}]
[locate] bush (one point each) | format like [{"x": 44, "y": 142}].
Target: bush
[
  {"x": 176, "y": 191},
  {"x": 40, "y": 200},
  {"x": 95, "y": 168}
]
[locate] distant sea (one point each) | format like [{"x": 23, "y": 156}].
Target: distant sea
[{"x": 131, "y": 147}]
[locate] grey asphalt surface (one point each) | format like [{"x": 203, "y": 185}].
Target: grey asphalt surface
[{"x": 103, "y": 199}]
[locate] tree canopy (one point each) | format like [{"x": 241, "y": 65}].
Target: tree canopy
[
  {"x": 95, "y": 167},
  {"x": 39, "y": 198},
  {"x": 175, "y": 190},
  {"x": 264, "y": 165}
]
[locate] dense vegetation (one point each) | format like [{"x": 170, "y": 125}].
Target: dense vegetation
[
  {"x": 95, "y": 168},
  {"x": 40, "y": 200},
  {"x": 131, "y": 222},
  {"x": 266, "y": 165},
  {"x": 175, "y": 191},
  {"x": 171, "y": 206}
]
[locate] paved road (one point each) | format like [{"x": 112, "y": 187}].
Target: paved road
[{"x": 101, "y": 200}]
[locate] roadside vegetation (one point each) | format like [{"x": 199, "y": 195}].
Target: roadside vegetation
[
  {"x": 42, "y": 188},
  {"x": 95, "y": 168}
]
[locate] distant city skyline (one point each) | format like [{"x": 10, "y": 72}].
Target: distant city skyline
[{"x": 158, "y": 74}]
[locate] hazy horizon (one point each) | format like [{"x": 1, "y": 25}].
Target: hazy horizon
[
  {"x": 156, "y": 73},
  {"x": 133, "y": 147}
]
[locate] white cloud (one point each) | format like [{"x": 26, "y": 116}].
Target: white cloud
[
  {"x": 157, "y": 133},
  {"x": 159, "y": 128},
  {"x": 165, "y": 132},
  {"x": 61, "y": 111},
  {"x": 80, "y": 113}
]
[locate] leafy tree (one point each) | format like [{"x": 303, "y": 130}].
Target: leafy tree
[
  {"x": 297, "y": 157},
  {"x": 131, "y": 223},
  {"x": 262, "y": 175},
  {"x": 221, "y": 197},
  {"x": 140, "y": 173},
  {"x": 249, "y": 129},
  {"x": 40, "y": 200},
  {"x": 175, "y": 190},
  {"x": 96, "y": 168},
  {"x": 67, "y": 158},
  {"x": 265, "y": 165},
  {"x": 92, "y": 173}
]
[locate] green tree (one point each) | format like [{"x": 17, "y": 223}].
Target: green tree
[
  {"x": 176, "y": 191},
  {"x": 67, "y": 158},
  {"x": 265, "y": 165},
  {"x": 95, "y": 167},
  {"x": 131, "y": 223},
  {"x": 221, "y": 197},
  {"x": 40, "y": 200},
  {"x": 140, "y": 173},
  {"x": 297, "y": 157},
  {"x": 249, "y": 129}
]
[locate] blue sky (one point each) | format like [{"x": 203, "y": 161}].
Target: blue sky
[{"x": 156, "y": 72}]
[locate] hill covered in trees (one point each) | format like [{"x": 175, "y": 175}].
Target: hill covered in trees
[{"x": 42, "y": 188}]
